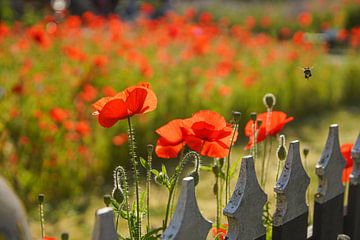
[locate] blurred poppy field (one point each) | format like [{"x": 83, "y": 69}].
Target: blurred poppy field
[{"x": 195, "y": 58}]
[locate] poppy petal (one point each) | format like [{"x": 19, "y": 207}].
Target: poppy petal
[
  {"x": 112, "y": 112},
  {"x": 171, "y": 132},
  {"x": 212, "y": 118},
  {"x": 98, "y": 105},
  {"x": 194, "y": 142},
  {"x": 163, "y": 150},
  {"x": 214, "y": 149},
  {"x": 135, "y": 100}
]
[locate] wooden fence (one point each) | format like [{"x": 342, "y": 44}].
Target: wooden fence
[
  {"x": 245, "y": 207},
  {"x": 290, "y": 220}
]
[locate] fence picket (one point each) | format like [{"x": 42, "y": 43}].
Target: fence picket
[
  {"x": 245, "y": 208},
  {"x": 104, "y": 225},
  {"x": 13, "y": 224},
  {"x": 187, "y": 222},
  {"x": 352, "y": 220},
  {"x": 291, "y": 215},
  {"x": 328, "y": 209}
]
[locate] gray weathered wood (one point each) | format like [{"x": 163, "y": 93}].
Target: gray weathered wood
[
  {"x": 104, "y": 225},
  {"x": 291, "y": 188},
  {"x": 329, "y": 168},
  {"x": 187, "y": 222},
  {"x": 329, "y": 199},
  {"x": 355, "y": 154},
  {"x": 13, "y": 223},
  {"x": 245, "y": 208}
]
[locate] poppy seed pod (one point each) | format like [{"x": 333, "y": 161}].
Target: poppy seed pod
[
  {"x": 150, "y": 148},
  {"x": 306, "y": 151},
  {"x": 41, "y": 198},
  {"x": 236, "y": 116},
  {"x": 118, "y": 195},
  {"x": 107, "y": 200},
  {"x": 269, "y": 100}
]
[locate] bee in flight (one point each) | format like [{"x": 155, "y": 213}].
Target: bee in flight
[{"x": 307, "y": 72}]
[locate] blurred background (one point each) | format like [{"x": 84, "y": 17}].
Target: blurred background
[{"x": 58, "y": 57}]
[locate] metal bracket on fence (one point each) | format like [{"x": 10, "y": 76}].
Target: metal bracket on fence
[
  {"x": 355, "y": 154},
  {"x": 245, "y": 208},
  {"x": 104, "y": 225},
  {"x": 187, "y": 222},
  {"x": 291, "y": 215}
]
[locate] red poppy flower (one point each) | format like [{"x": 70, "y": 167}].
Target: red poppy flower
[
  {"x": 209, "y": 134},
  {"x": 133, "y": 100},
  {"x": 171, "y": 139},
  {"x": 59, "y": 114},
  {"x": 346, "y": 152},
  {"x": 48, "y": 238},
  {"x": 120, "y": 139},
  {"x": 277, "y": 122},
  {"x": 220, "y": 232}
]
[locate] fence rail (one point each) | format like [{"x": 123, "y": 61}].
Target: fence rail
[{"x": 245, "y": 207}]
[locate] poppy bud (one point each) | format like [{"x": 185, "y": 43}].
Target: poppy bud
[
  {"x": 41, "y": 198},
  {"x": 215, "y": 169},
  {"x": 107, "y": 200},
  {"x": 253, "y": 116},
  {"x": 64, "y": 236},
  {"x": 221, "y": 162},
  {"x": 159, "y": 179},
  {"x": 215, "y": 189},
  {"x": 306, "y": 151},
  {"x": 195, "y": 175},
  {"x": 236, "y": 116},
  {"x": 150, "y": 149},
  {"x": 118, "y": 195},
  {"x": 269, "y": 100},
  {"x": 281, "y": 151}
]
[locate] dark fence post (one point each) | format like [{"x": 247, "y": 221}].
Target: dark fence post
[
  {"x": 187, "y": 222},
  {"x": 291, "y": 216},
  {"x": 352, "y": 220},
  {"x": 245, "y": 208},
  {"x": 104, "y": 225},
  {"x": 328, "y": 209}
]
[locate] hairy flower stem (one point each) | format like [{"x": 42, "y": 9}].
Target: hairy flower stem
[
  {"x": 134, "y": 163},
  {"x": 41, "y": 212},
  {"x": 217, "y": 204},
  {"x": 121, "y": 175},
  {"x": 148, "y": 182},
  {"x": 177, "y": 173},
  {"x": 265, "y": 159},
  {"x": 254, "y": 150},
  {"x": 227, "y": 177}
]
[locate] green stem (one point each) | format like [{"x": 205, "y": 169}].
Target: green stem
[
  {"x": 41, "y": 211},
  {"x": 267, "y": 162},
  {"x": 227, "y": 177},
  {"x": 218, "y": 202},
  {"x": 171, "y": 191},
  {"x": 134, "y": 162},
  {"x": 148, "y": 191}
]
